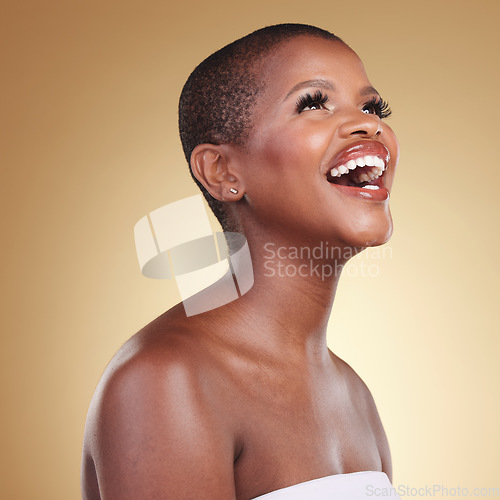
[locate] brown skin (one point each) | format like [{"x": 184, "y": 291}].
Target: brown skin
[{"x": 247, "y": 398}]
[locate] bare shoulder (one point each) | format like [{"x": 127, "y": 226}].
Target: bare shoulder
[
  {"x": 363, "y": 399},
  {"x": 154, "y": 429}
]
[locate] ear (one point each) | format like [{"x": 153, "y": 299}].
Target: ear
[{"x": 211, "y": 166}]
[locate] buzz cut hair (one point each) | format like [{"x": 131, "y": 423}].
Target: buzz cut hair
[{"x": 218, "y": 98}]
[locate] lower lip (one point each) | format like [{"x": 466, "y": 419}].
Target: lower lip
[{"x": 377, "y": 195}]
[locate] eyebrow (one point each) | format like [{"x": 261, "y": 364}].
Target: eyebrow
[
  {"x": 369, "y": 90},
  {"x": 322, "y": 84},
  {"x": 327, "y": 84}
]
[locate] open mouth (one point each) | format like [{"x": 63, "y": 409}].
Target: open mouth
[{"x": 361, "y": 172}]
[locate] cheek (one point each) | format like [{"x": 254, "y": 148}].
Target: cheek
[
  {"x": 292, "y": 150},
  {"x": 392, "y": 144},
  {"x": 284, "y": 171},
  {"x": 318, "y": 141}
]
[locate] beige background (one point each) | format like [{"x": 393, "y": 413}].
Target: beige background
[{"x": 89, "y": 145}]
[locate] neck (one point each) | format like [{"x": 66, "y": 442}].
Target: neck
[{"x": 289, "y": 304}]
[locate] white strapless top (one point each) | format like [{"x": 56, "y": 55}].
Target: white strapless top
[{"x": 353, "y": 486}]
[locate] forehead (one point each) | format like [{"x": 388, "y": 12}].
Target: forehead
[{"x": 307, "y": 58}]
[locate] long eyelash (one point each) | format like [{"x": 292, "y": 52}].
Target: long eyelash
[
  {"x": 306, "y": 100},
  {"x": 381, "y": 107}
]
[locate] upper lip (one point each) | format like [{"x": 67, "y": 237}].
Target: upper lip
[{"x": 359, "y": 149}]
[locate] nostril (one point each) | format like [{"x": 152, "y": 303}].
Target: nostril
[
  {"x": 368, "y": 131},
  {"x": 361, "y": 125}
]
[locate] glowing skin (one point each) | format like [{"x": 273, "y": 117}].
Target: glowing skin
[
  {"x": 290, "y": 153},
  {"x": 247, "y": 398}
]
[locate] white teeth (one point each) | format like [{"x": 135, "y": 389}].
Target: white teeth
[
  {"x": 370, "y": 161},
  {"x": 377, "y": 164},
  {"x": 370, "y": 186}
]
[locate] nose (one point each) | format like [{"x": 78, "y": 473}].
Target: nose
[{"x": 360, "y": 124}]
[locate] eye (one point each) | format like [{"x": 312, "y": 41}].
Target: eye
[
  {"x": 377, "y": 106},
  {"x": 312, "y": 102}
]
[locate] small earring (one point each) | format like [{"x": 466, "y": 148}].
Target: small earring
[{"x": 235, "y": 191}]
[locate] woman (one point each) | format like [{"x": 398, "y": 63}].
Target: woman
[{"x": 285, "y": 136}]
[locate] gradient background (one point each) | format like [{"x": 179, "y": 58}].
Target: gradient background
[{"x": 89, "y": 145}]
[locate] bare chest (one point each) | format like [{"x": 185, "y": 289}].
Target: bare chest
[{"x": 302, "y": 435}]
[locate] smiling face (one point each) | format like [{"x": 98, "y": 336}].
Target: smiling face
[{"x": 320, "y": 161}]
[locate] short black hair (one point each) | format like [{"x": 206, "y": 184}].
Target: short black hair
[{"x": 218, "y": 98}]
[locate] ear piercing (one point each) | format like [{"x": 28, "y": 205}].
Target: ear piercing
[{"x": 234, "y": 191}]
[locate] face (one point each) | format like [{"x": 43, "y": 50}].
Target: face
[{"x": 320, "y": 160}]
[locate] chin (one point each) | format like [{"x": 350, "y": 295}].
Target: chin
[
  {"x": 370, "y": 235},
  {"x": 379, "y": 239}
]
